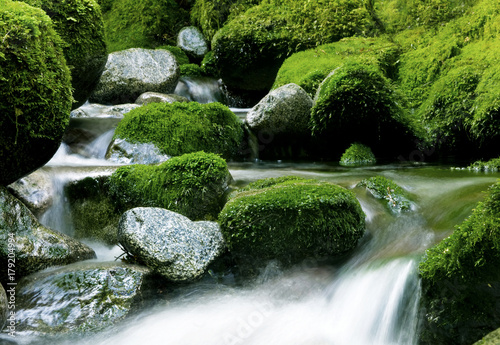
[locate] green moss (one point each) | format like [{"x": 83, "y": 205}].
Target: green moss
[
  {"x": 461, "y": 279},
  {"x": 250, "y": 48},
  {"x": 492, "y": 338},
  {"x": 179, "y": 128},
  {"x": 143, "y": 24},
  {"x": 211, "y": 15},
  {"x": 310, "y": 67},
  {"x": 291, "y": 219},
  {"x": 491, "y": 165},
  {"x": 80, "y": 25},
  {"x": 179, "y": 54},
  {"x": 36, "y": 90},
  {"x": 384, "y": 188},
  {"x": 208, "y": 65},
  {"x": 192, "y": 70},
  {"x": 357, "y": 103},
  {"x": 193, "y": 184},
  {"x": 357, "y": 154}
]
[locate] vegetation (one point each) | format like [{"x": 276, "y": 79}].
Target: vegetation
[
  {"x": 384, "y": 188},
  {"x": 192, "y": 70},
  {"x": 358, "y": 154},
  {"x": 291, "y": 219},
  {"x": 193, "y": 185},
  {"x": 80, "y": 25},
  {"x": 36, "y": 90},
  {"x": 180, "y": 55},
  {"x": 179, "y": 128},
  {"x": 491, "y": 165},
  {"x": 461, "y": 279}
]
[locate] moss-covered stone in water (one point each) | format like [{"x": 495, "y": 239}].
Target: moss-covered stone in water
[
  {"x": 80, "y": 25},
  {"x": 383, "y": 188},
  {"x": 357, "y": 154},
  {"x": 250, "y": 49},
  {"x": 491, "y": 165},
  {"x": 36, "y": 90},
  {"x": 143, "y": 24},
  {"x": 291, "y": 219},
  {"x": 461, "y": 280},
  {"x": 356, "y": 103},
  {"x": 193, "y": 185},
  {"x": 192, "y": 70},
  {"x": 179, "y": 128}
]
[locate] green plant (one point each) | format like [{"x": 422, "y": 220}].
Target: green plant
[{"x": 357, "y": 154}]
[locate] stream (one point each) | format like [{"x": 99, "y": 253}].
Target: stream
[{"x": 370, "y": 298}]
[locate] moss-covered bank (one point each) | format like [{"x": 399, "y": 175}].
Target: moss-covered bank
[
  {"x": 461, "y": 280},
  {"x": 36, "y": 90}
]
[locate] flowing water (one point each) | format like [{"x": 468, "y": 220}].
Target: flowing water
[{"x": 371, "y": 298}]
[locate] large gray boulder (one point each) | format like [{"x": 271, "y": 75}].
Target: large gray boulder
[
  {"x": 80, "y": 297},
  {"x": 169, "y": 243},
  {"x": 34, "y": 246},
  {"x": 36, "y": 191},
  {"x": 123, "y": 152},
  {"x": 191, "y": 40},
  {"x": 131, "y": 72},
  {"x": 284, "y": 110}
]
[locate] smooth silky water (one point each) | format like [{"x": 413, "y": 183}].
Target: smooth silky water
[{"x": 370, "y": 297}]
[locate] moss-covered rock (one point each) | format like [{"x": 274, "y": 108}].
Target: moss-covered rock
[
  {"x": 193, "y": 185},
  {"x": 192, "y": 70},
  {"x": 179, "y": 54},
  {"x": 492, "y": 338},
  {"x": 491, "y": 165},
  {"x": 143, "y": 24},
  {"x": 291, "y": 219},
  {"x": 357, "y": 154},
  {"x": 36, "y": 90},
  {"x": 461, "y": 280},
  {"x": 251, "y": 47},
  {"x": 80, "y": 25},
  {"x": 310, "y": 67},
  {"x": 179, "y": 128},
  {"x": 383, "y": 188},
  {"x": 357, "y": 103}
]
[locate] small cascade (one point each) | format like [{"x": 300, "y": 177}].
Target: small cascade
[
  {"x": 201, "y": 90},
  {"x": 99, "y": 146}
]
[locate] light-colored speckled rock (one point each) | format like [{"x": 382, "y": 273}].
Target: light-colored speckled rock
[
  {"x": 169, "y": 243},
  {"x": 36, "y": 191},
  {"x": 284, "y": 110},
  {"x": 35, "y": 247},
  {"x": 123, "y": 152},
  {"x": 156, "y": 97},
  {"x": 99, "y": 110},
  {"x": 191, "y": 40},
  {"x": 131, "y": 72}
]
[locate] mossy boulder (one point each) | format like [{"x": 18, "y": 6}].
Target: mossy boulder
[
  {"x": 179, "y": 54},
  {"x": 35, "y": 247},
  {"x": 383, "y": 188},
  {"x": 492, "y": 338},
  {"x": 35, "y": 85},
  {"x": 192, "y": 70},
  {"x": 290, "y": 219},
  {"x": 80, "y": 25},
  {"x": 80, "y": 298},
  {"x": 492, "y": 165},
  {"x": 357, "y": 103},
  {"x": 180, "y": 128},
  {"x": 357, "y": 154},
  {"x": 250, "y": 48},
  {"x": 143, "y": 24},
  {"x": 461, "y": 280},
  {"x": 194, "y": 185},
  {"x": 310, "y": 67}
]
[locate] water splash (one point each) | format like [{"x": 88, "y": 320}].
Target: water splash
[{"x": 201, "y": 90}]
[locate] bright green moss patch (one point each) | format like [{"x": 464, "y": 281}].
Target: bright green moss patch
[
  {"x": 179, "y": 128},
  {"x": 36, "y": 90},
  {"x": 179, "y": 54},
  {"x": 384, "y": 188},
  {"x": 491, "y": 165},
  {"x": 291, "y": 219},
  {"x": 194, "y": 185},
  {"x": 357, "y": 154},
  {"x": 143, "y": 24},
  {"x": 310, "y": 67},
  {"x": 192, "y": 70}
]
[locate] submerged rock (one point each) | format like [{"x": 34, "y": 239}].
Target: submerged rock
[
  {"x": 169, "y": 243},
  {"x": 123, "y": 152},
  {"x": 131, "y": 72},
  {"x": 156, "y": 97},
  {"x": 34, "y": 246},
  {"x": 290, "y": 219},
  {"x": 83, "y": 297},
  {"x": 35, "y": 191},
  {"x": 191, "y": 40}
]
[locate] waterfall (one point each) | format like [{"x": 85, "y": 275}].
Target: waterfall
[{"x": 201, "y": 90}]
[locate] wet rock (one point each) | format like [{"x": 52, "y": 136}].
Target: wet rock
[
  {"x": 123, "y": 152},
  {"x": 99, "y": 110},
  {"x": 170, "y": 243},
  {"x": 34, "y": 246},
  {"x": 383, "y": 188},
  {"x": 80, "y": 297},
  {"x": 191, "y": 40},
  {"x": 156, "y": 97},
  {"x": 35, "y": 191},
  {"x": 131, "y": 72}
]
